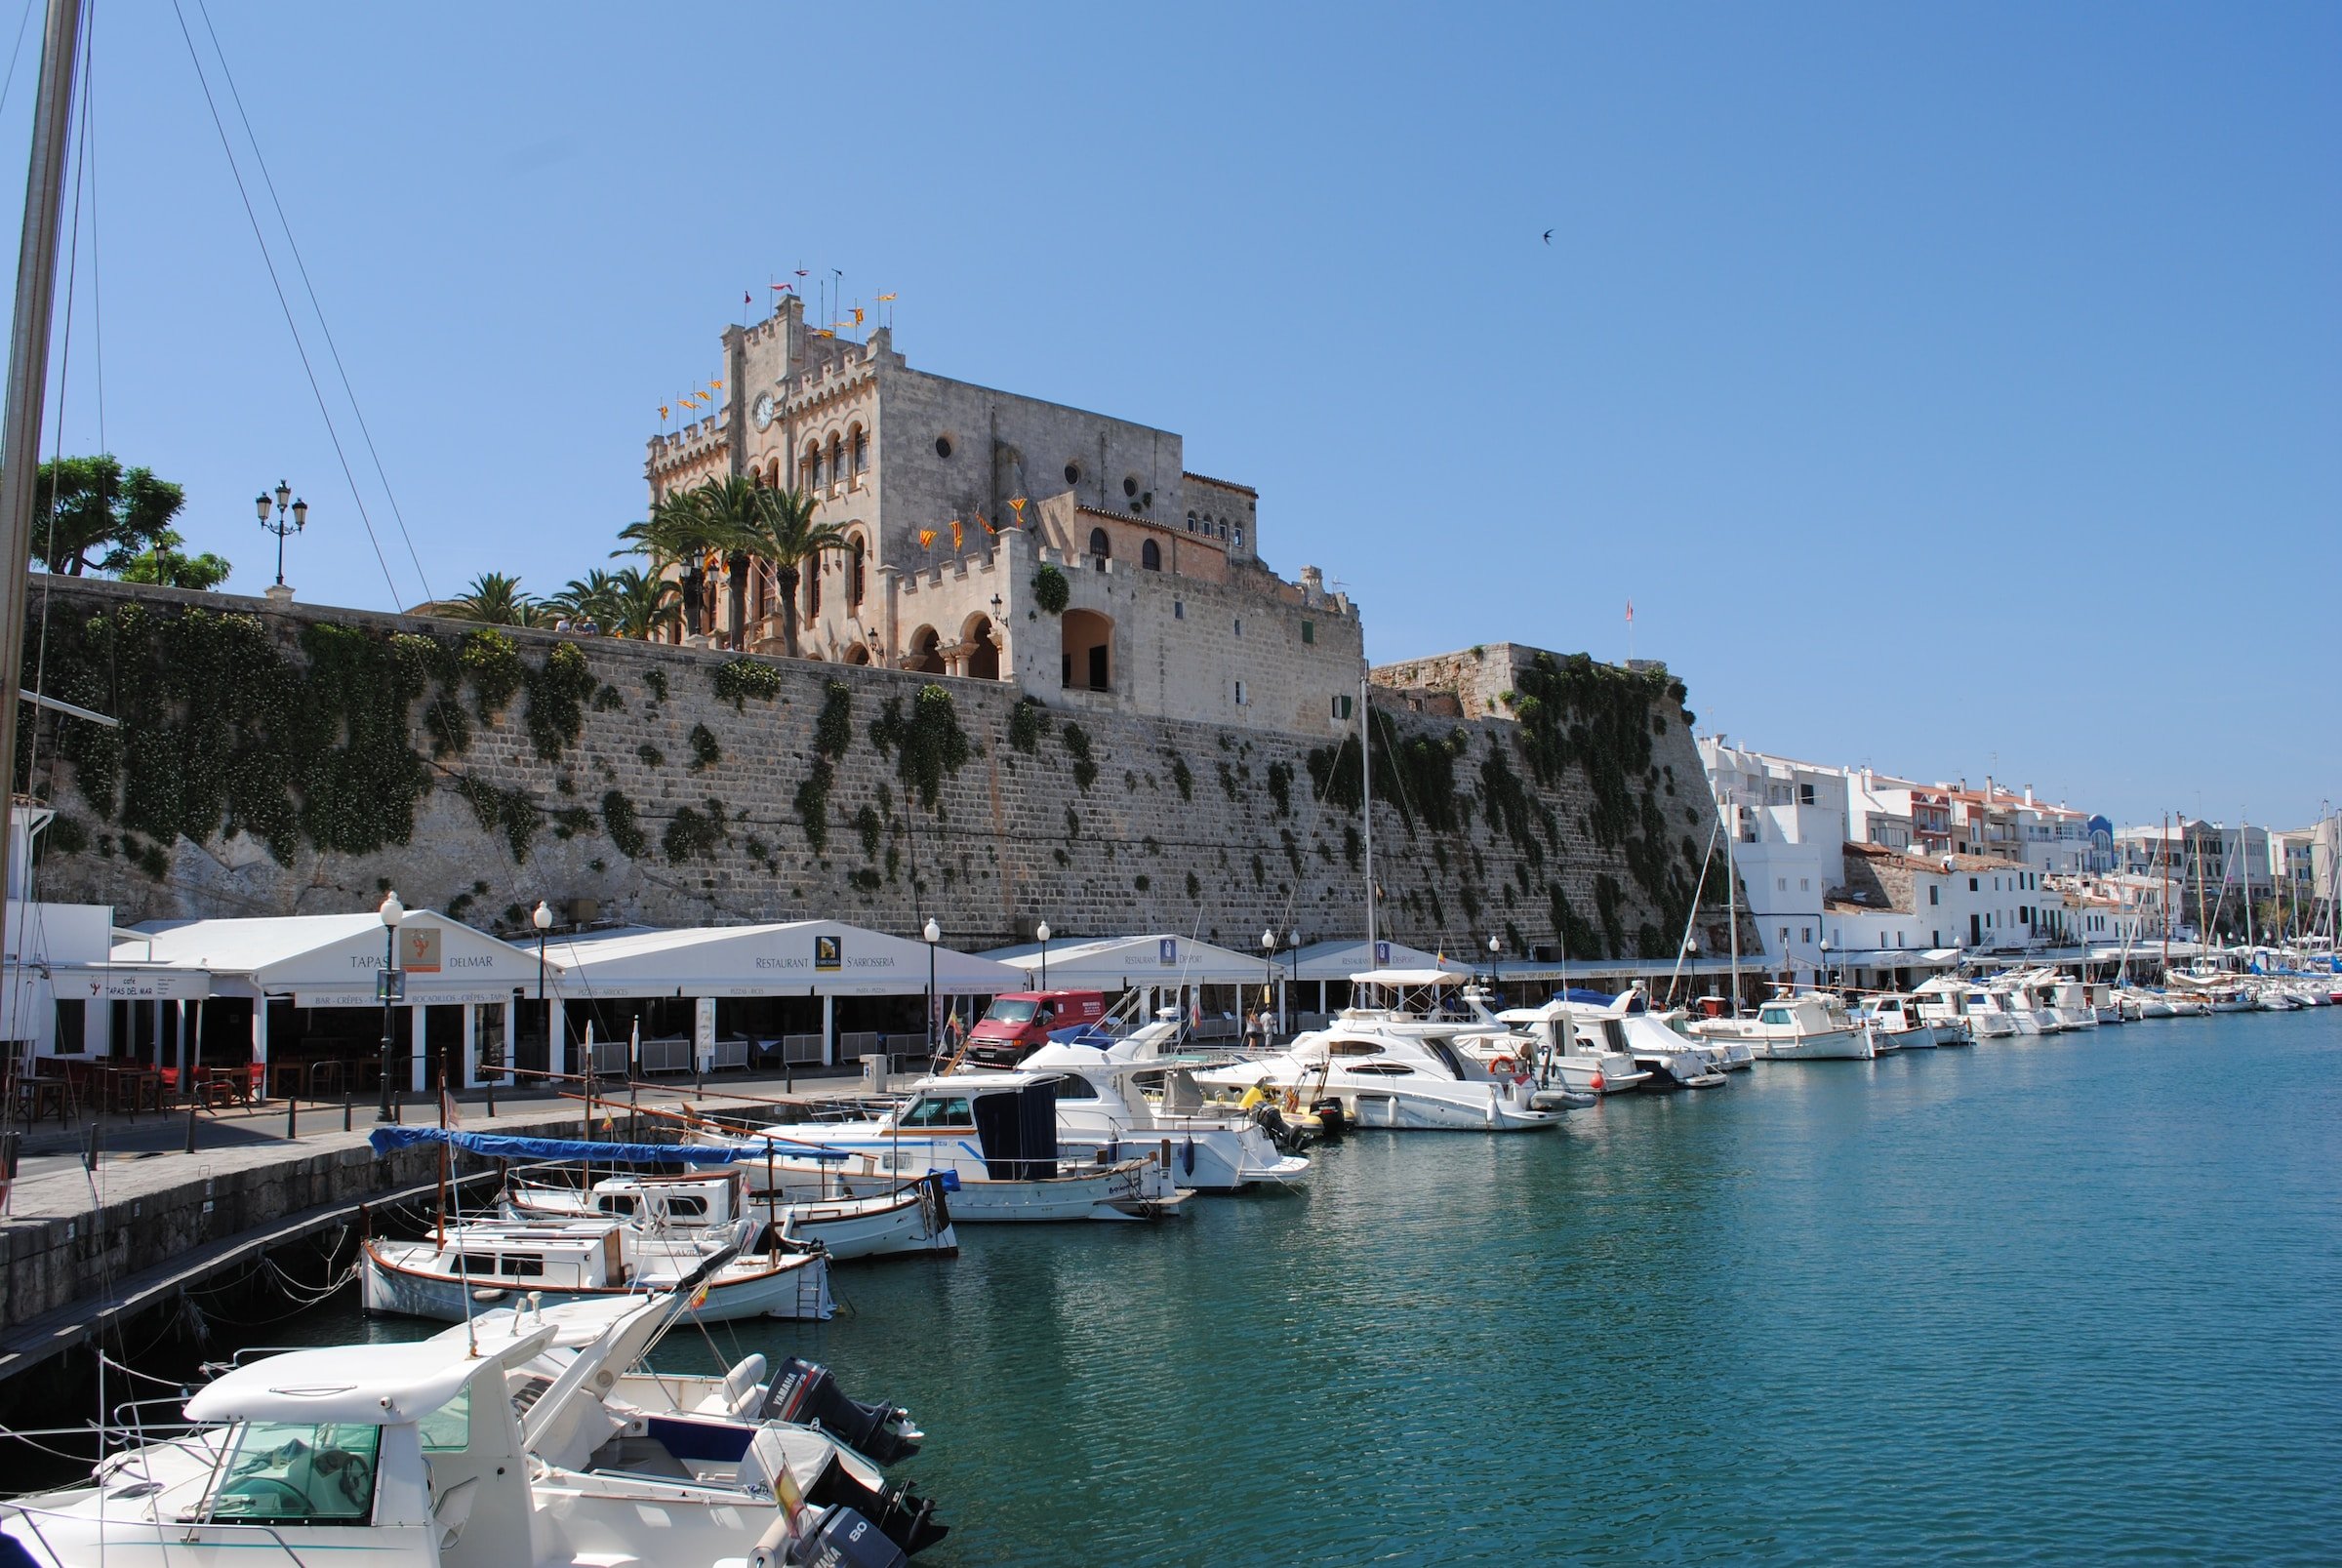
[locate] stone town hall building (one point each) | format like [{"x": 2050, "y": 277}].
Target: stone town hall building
[{"x": 1171, "y": 610}]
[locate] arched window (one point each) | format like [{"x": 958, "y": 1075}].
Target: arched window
[
  {"x": 837, "y": 460},
  {"x": 1239, "y": 536},
  {"x": 1190, "y": 522},
  {"x": 1224, "y": 528},
  {"x": 926, "y": 651},
  {"x": 856, "y": 558},
  {"x": 1099, "y": 546},
  {"x": 862, "y": 452},
  {"x": 813, "y": 587},
  {"x": 1151, "y": 556},
  {"x": 810, "y": 467}
]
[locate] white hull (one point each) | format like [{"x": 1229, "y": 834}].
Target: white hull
[
  {"x": 1832, "y": 1045},
  {"x": 1134, "y": 1190},
  {"x": 796, "y": 1287},
  {"x": 1374, "y": 1101},
  {"x": 870, "y": 1227},
  {"x": 1926, "y": 1037}
]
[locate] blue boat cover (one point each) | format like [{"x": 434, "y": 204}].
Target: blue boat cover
[
  {"x": 1586, "y": 998},
  {"x": 511, "y": 1146}
]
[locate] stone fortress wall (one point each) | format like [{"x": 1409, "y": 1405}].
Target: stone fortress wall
[{"x": 677, "y": 786}]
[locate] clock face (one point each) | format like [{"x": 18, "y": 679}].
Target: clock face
[{"x": 762, "y": 412}]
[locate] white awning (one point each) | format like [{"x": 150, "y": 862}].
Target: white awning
[
  {"x": 331, "y": 960},
  {"x": 791, "y": 958},
  {"x": 1120, "y": 963}
]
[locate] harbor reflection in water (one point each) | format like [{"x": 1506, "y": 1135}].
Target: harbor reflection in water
[{"x": 2064, "y": 1299}]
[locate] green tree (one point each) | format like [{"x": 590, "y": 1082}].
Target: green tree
[
  {"x": 781, "y": 532},
  {"x": 97, "y": 506},
  {"x": 680, "y": 532},
  {"x": 164, "y": 563},
  {"x": 593, "y": 598},
  {"x": 495, "y": 600},
  {"x": 645, "y": 603}
]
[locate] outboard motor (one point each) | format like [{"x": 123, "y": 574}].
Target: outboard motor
[
  {"x": 1330, "y": 1120},
  {"x": 1288, "y": 1138},
  {"x": 904, "y": 1517},
  {"x": 844, "y": 1539},
  {"x": 804, "y": 1392}
]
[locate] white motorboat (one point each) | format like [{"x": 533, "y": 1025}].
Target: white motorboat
[
  {"x": 1803, "y": 1027},
  {"x": 1663, "y": 1046},
  {"x": 1384, "y": 1078},
  {"x": 2070, "y": 1001},
  {"x": 592, "y": 1403},
  {"x": 417, "y": 1456},
  {"x": 1120, "y": 1093},
  {"x": 993, "y": 1134},
  {"x": 1583, "y": 1061},
  {"x": 1895, "y": 1017},
  {"x": 914, "y": 1217},
  {"x": 447, "y": 1275}
]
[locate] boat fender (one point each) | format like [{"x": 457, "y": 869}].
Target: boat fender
[
  {"x": 1594, "y": 1083},
  {"x": 1186, "y": 1157}
]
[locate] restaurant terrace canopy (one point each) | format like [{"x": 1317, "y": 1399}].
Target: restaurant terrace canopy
[{"x": 330, "y": 961}]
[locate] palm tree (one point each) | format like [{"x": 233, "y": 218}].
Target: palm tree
[
  {"x": 592, "y": 599},
  {"x": 495, "y": 599},
  {"x": 729, "y": 515},
  {"x": 784, "y": 534},
  {"x": 679, "y": 533},
  {"x": 642, "y": 603}
]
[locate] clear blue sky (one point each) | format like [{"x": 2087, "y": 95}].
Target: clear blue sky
[{"x": 1956, "y": 388}]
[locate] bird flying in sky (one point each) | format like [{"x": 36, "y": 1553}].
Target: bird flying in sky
[{"x": 1548, "y": 236}]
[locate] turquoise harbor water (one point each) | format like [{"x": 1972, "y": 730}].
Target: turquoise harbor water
[{"x": 2064, "y": 1300}]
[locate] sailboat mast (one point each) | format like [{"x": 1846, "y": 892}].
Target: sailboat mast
[
  {"x": 1732, "y": 900},
  {"x": 1366, "y": 776},
  {"x": 28, "y": 357},
  {"x": 2167, "y": 920}
]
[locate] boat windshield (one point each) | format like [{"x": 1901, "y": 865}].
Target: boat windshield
[
  {"x": 1009, "y": 1010},
  {"x": 295, "y": 1472},
  {"x": 938, "y": 1112}
]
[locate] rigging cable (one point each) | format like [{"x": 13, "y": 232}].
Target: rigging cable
[
  {"x": 284, "y": 305},
  {"x": 325, "y": 329}
]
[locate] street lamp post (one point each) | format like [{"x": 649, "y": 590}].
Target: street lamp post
[
  {"x": 542, "y": 919},
  {"x": 277, "y": 525},
  {"x": 1829, "y": 975},
  {"x": 934, "y": 933},
  {"x": 1042, "y": 931},
  {"x": 392, "y": 912},
  {"x": 1267, "y": 970},
  {"x": 1496, "y": 947}
]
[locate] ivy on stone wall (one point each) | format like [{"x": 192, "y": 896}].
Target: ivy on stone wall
[
  {"x": 694, "y": 834},
  {"x": 812, "y": 802},
  {"x": 1050, "y": 590},
  {"x": 928, "y": 747},
  {"x": 1027, "y": 723},
  {"x": 1182, "y": 776},
  {"x": 1077, "y": 746},
  {"x": 492, "y": 661},
  {"x": 1280, "y": 787},
  {"x": 834, "y": 729},
  {"x": 624, "y": 825},
  {"x": 705, "y": 752},
  {"x": 557, "y": 693},
  {"x": 743, "y": 678}
]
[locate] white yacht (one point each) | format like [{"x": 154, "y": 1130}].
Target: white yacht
[
  {"x": 993, "y": 1134},
  {"x": 420, "y": 1456},
  {"x": 1805, "y": 1025},
  {"x": 1389, "y": 1078},
  {"x": 1123, "y": 1095},
  {"x": 1582, "y": 1061},
  {"x": 2070, "y": 1001},
  {"x": 1894, "y": 1016},
  {"x": 1661, "y": 1045}
]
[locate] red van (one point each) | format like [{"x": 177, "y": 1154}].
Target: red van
[{"x": 1020, "y": 1022}]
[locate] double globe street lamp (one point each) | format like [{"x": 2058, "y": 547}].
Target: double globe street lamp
[{"x": 278, "y": 524}]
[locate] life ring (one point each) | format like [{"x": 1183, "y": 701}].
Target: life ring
[{"x": 1504, "y": 1066}]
